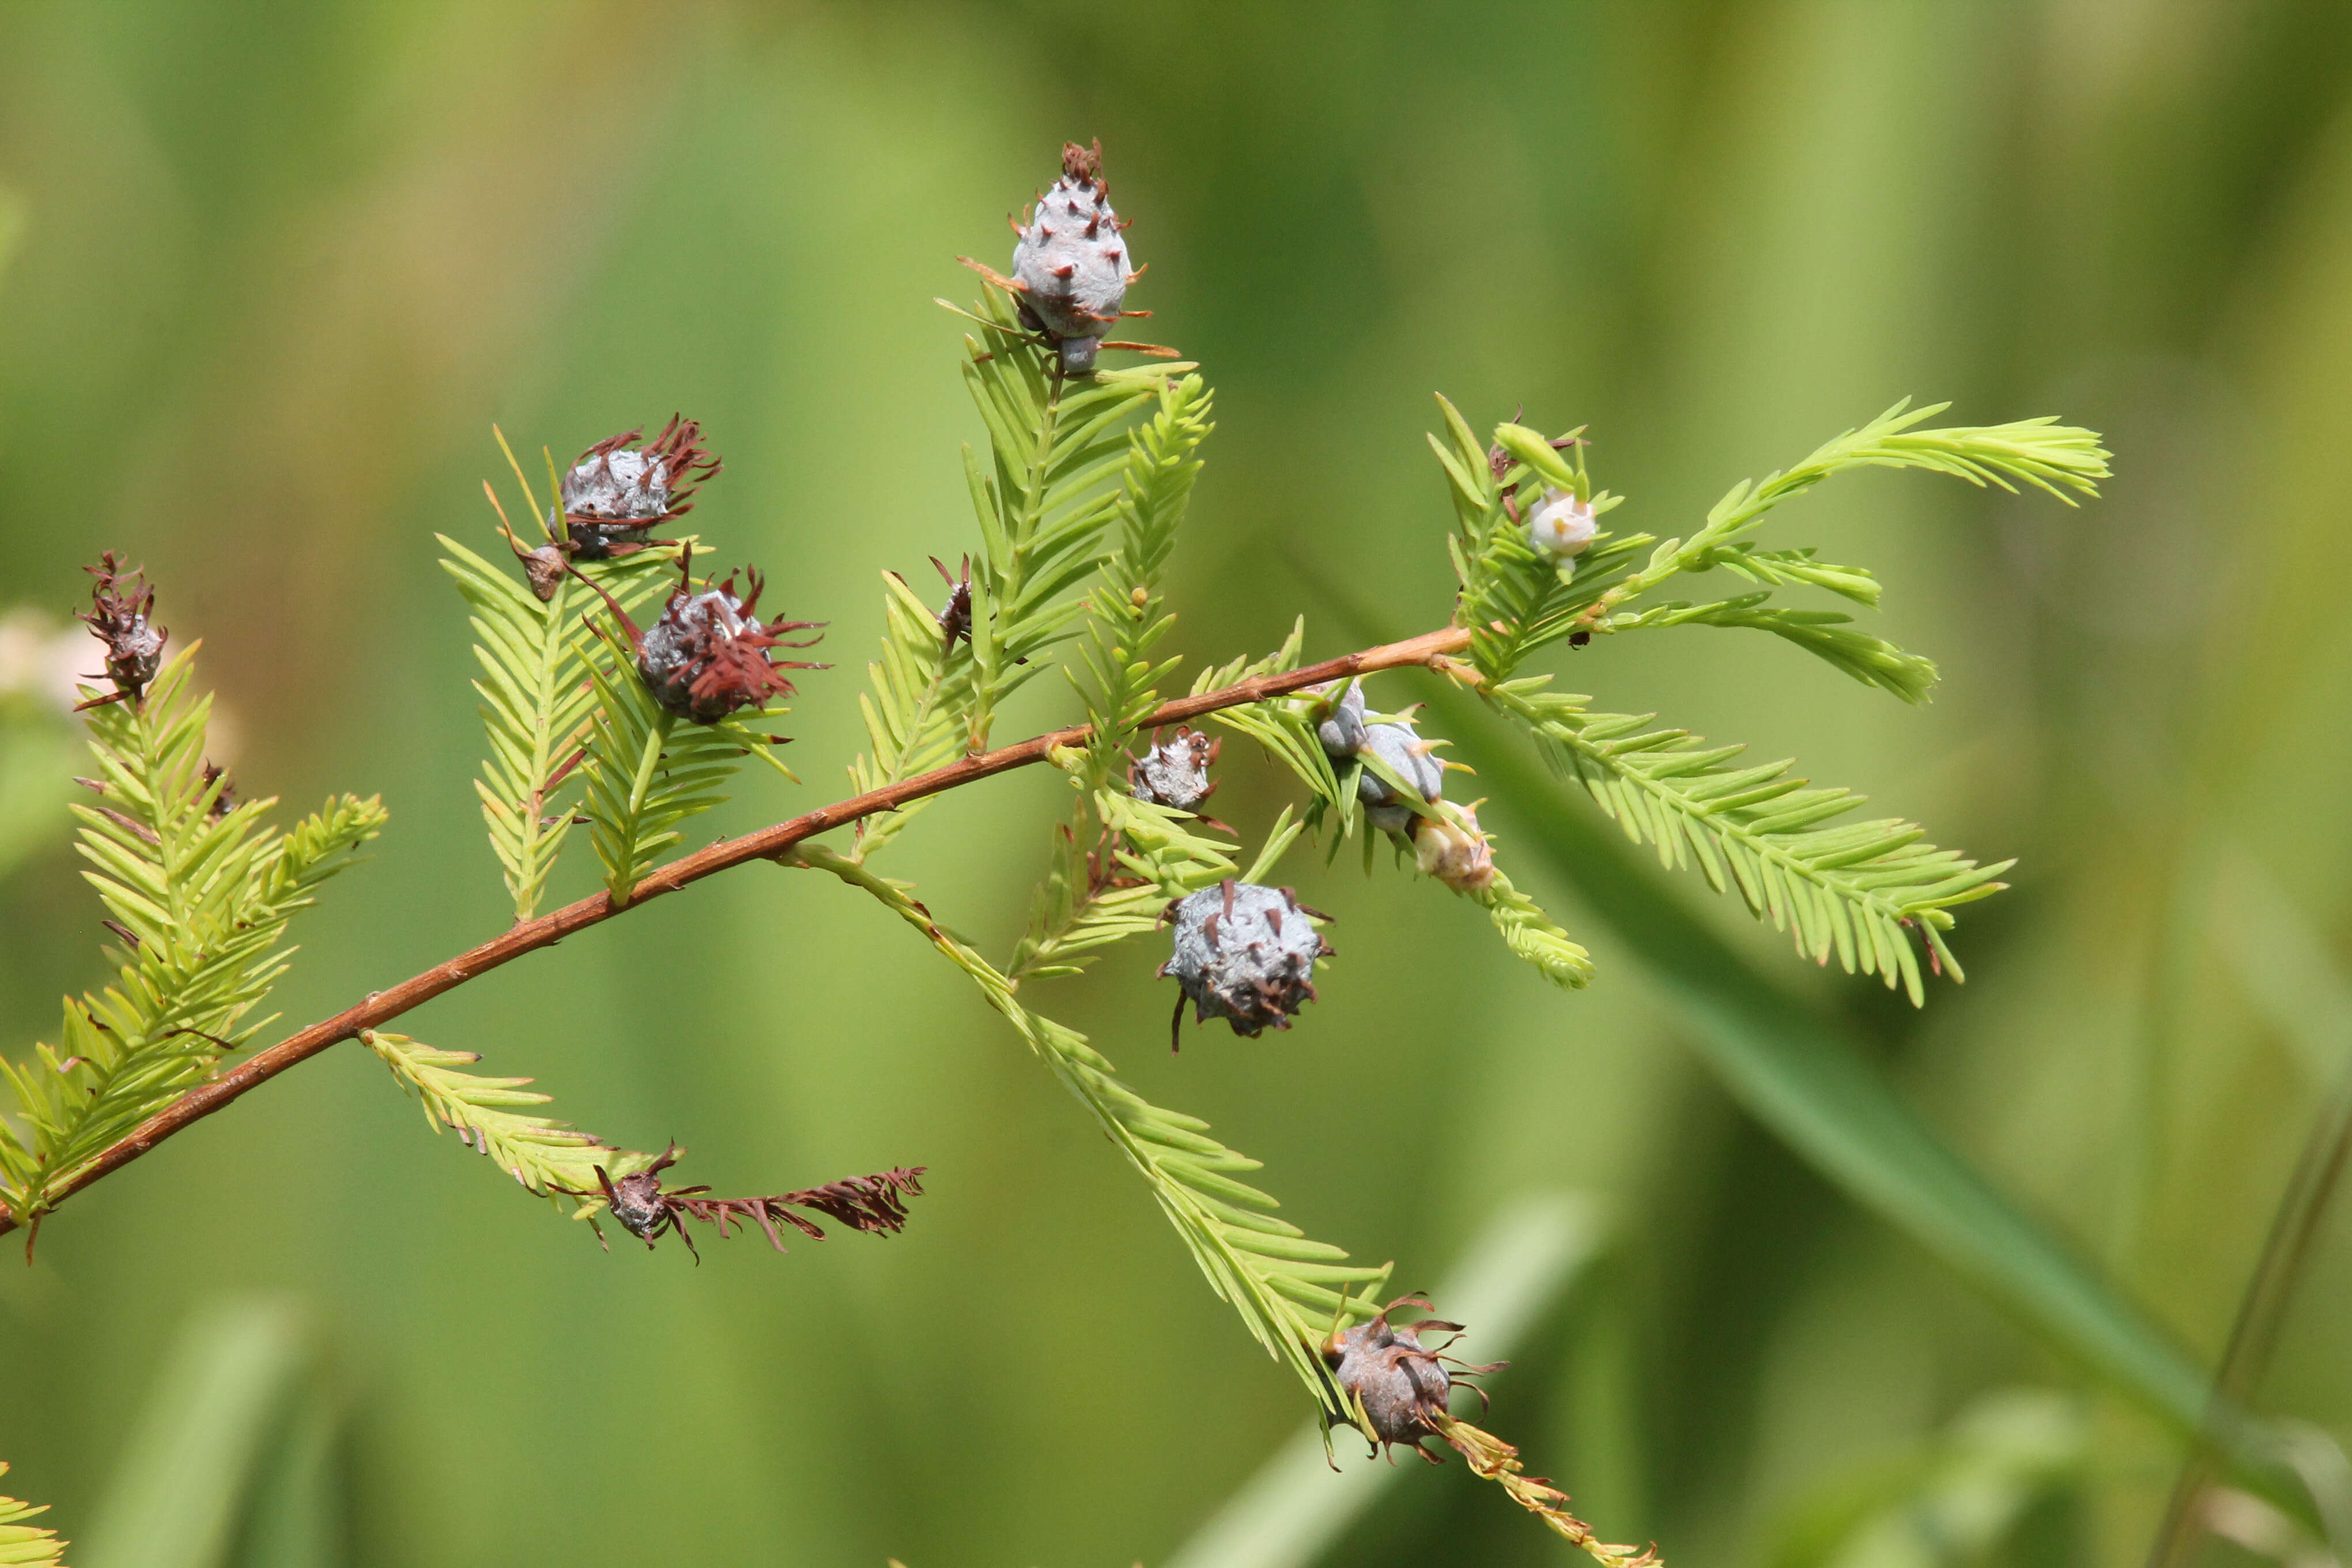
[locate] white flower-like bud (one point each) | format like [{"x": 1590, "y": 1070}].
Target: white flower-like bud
[{"x": 1562, "y": 525}]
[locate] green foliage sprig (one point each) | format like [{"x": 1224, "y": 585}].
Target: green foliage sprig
[
  {"x": 1125, "y": 610},
  {"x": 545, "y": 1157},
  {"x": 25, "y": 1546},
  {"x": 647, "y": 772},
  {"x": 199, "y": 891},
  {"x": 1288, "y": 1288},
  {"x": 914, "y": 713},
  {"x": 1058, "y": 453},
  {"x": 536, "y": 704},
  {"x": 1514, "y": 600},
  {"x": 1856, "y": 889}
]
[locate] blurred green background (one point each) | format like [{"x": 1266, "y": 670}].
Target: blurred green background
[{"x": 276, "y": 267}]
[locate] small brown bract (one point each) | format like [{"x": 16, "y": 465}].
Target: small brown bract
[
  {"x": 955, "y": 620},
  {"x": 224, "y": 801}
]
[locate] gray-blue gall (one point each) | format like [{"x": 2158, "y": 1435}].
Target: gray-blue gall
[
  {"x": 1399, "y": 747},
  {"x": 1175, "y": 772},
  {"x": 612, "y": 497},
  {"x": 1072, "y": 261},
  {"x": 1245, "y": 954},
  {"x": 1347, "y": 736}
]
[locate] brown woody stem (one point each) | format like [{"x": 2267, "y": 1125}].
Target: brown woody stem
[{"x": 1431, "y": 648}]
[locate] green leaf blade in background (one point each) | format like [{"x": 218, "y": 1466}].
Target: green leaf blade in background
[{"x": 226, "y": 1467}]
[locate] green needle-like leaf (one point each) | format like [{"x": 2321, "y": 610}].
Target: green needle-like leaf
[
  {"x": 536, "y": 700},
  {"x": 543, "y": 1155},
  {"x": 1826, "y": 634},
  {"x": 201, "y": 896},
  {"x": 1289, "y": 1290},
  {"x": 1854, "y": 889},
  {"x": 25, "y": 1546}
]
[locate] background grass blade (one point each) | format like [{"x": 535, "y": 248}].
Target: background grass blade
[
  {"x": 207, "y": 1450},
  {"x": 2285, "y": 970}
]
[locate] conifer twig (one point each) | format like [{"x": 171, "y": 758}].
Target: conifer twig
[
  {"x": 1433, "y": 649},
  {"x": 1498, "y": 1461}
]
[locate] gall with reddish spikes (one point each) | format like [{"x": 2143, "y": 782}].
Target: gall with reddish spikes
[
  {"x": 1403, "y": 1383},
  {"x": 1245, "y": 954},
  {"x": 119, "y": 608},
  {"x": 1175, "y": 772},
  {"x": 708, "y": 655},
  {"x": 1072, "y": 265},
  {"x": 617, "y": 492}
]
